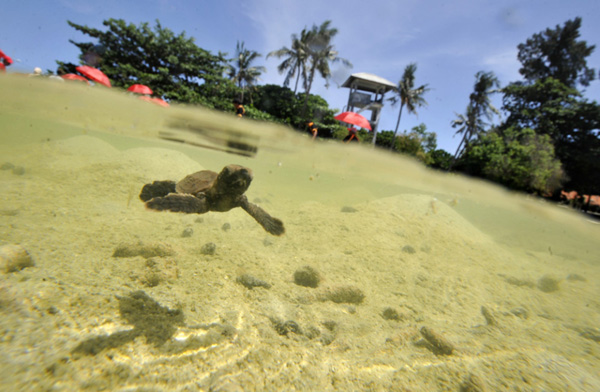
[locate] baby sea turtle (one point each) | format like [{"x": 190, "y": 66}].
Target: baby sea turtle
[{"x": 205, "y": 191}]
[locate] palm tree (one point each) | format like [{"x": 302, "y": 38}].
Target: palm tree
[
  {"x": 472, "y": 125},
  {"x": 465, "y": 124},
  {"x": 320, "y": 53},
  {"x": 296, "y": 58},
  {"x": 244, "y": 75},
  {"x": 407, "y": 95}
]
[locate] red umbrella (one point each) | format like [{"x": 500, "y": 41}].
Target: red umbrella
[
  {"x": 140, "y": 89},
  {"x": 94, "y": 74},
  {"x": 354, "y": 119},
  {"x": 74, "y": 77},
  {"x": 155, "y": 100},
  {"x": 5, "y": 59}
]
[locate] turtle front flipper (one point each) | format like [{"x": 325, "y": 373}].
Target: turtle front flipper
[
  {"x": 176, "y": 202},
  {"x": 270, "y": 224},
  {"x": 157, "y": 189}
]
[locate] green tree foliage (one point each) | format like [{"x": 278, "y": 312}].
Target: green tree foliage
[
  {"x": 557, "y": 53},
  {"x": 365, "y": 136},
  {"x": 517, "y": 158},
  {"x": 385, "y": 139},
  {"x": 582, "y": 159},
  {"x": 296, "y": 58},
  {"x": 428, "y": 139},
  {"x": 322, "y": 115},
  {"x": 441, "y": 159},
  {"x": 547, "y": 106},
  {"x": 407, "y": 94},
  {"x": 418, "y": 143},
  {"x": 549, "y": 103},
  {"x": 171, "y": 64},
  {"x": 410, "y": 144},
  {"x": 281, "y": 103},
  {"x": 241, "y": 70}
]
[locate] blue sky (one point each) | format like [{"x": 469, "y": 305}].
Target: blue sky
[{"x": 449, "y": 40}]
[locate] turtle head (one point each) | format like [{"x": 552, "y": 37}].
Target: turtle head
[{"x": 233, "y": 179}]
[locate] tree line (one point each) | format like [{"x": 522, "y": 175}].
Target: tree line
[{"x": 547, "y": 140}]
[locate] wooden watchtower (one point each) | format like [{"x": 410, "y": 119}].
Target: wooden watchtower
[{"x": 366, "y": 93}]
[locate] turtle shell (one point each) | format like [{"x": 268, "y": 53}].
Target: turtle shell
[{"x": 196, "y": 182}]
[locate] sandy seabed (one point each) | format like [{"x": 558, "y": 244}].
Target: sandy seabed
[{"x": 122, "y": 298}]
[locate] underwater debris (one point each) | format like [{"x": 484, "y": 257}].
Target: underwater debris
[
  {"x": 548, "y": 284},
  {"x": 14, "y": 258},
  {"x": 312, "y": 332},
  {"x": 517, "y": 282},
  {"x": 425, "y": 248},
  {"x": 590, "y": 333},
  {"x": 187, "y": 232},
  {"x": 330, "y": 325},
  {"x": 473, "y": 383},
  {"x": 208, "y": 249},
  {"x": 520, "y": 312},
  {"x": 586, "y": 332},
  {"x": 9, "y": 212},
  {"x": 345, "y": 294},
  {"x": 17, "y": 170},
  {"x": 283, "y": 328},
  {"x": 267, "y": 241},
  {"x": 251, "y": 282},
  {"x": 391, "y": 314},
  {"x": 326, "y": 339},
  {"x": 145, "y": 250},
  {"x": 576, "y": 278},
  {"x": 307, "y": 276},
  {"x": 158, "y": 270},
  {"x": 226, "y": 226},
  {"x": 409, "y": 249},
  {"x": 439, "y": 345},
  {"x": 489, "y": 317},
  {"x": 349, "y": 209}
]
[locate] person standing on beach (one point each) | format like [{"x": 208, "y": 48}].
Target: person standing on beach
[
  {"x": 312, "y": 129},
  {"x": 352, "y": 136},
  {"x": 239, "y": 108}
]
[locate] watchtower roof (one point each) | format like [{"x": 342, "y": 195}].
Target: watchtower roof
[{"x": 368, "y": 82}]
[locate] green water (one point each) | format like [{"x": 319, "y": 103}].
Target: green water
[{"x": 435, "y": 247}]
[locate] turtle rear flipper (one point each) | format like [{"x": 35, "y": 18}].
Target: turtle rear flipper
[
  {"x": 269, "y": 223},
  {"x": 157, "y": 189},
  {"x": 175, "y": 202}
]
